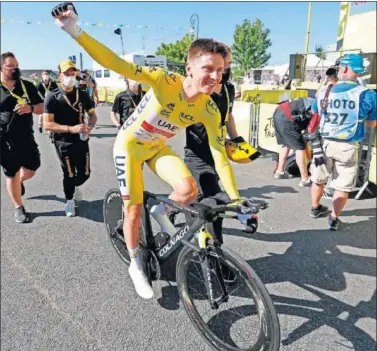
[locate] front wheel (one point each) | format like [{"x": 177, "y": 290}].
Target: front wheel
[{"x": 244, "y": 320}]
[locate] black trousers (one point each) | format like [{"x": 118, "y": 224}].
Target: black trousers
[
  {"x": 207, "y": 181},
  {"x": 75, "y": 161}
]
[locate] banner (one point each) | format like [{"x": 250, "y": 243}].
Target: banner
[
  {"x": 272, "y": 96},
  {"x": 100, "y": 25},
  {"x": 111, "y": 93},
  {"x": 343, "y": 17},
  {"x": 358, "y": 7},
  {"x": 102, "y": 94},
  {"x": 266, "y": 129}
]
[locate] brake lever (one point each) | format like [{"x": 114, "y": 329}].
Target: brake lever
[{"x": 262, "y": 205}]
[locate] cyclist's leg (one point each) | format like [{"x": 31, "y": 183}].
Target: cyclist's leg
[
  {"x": 171, "y": 168},
  {"x": 130, "y": 181},
  {"x": 128, "y": 164}
]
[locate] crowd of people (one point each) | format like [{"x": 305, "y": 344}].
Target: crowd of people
[{"x": 200, "y": 102}]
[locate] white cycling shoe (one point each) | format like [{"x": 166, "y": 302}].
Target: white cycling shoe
[{"x": 141, "y": 284}]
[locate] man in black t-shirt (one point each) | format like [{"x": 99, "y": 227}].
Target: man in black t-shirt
[
  {"x": 125, "y": 103},
  {"x": 46, "y": 84},
  {"x": 20, "y": 156},
  {"x": 88, "y": 83},
  {"x": 64, "y": 113},
  {"x": 43, "y": 87}
]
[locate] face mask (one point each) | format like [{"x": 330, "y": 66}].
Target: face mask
[
  {"x": 16, "y": 74},
  {"x": 46, "y": 78},
  {"x": 69, "y": 81},
  {"x": 226, "y": 75}
]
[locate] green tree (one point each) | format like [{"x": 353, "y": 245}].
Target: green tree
[
  {"x": 319, "y": 52},
  {"x": 251, "y": 42},
  {"x": 176, "y": 51}
]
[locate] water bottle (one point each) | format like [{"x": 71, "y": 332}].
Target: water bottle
[
  {"x": 159, "y": 214},
  {"x": 83, "y": 136}
]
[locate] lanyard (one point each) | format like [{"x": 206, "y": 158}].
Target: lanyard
[
  {"x": 228, "y": 102},
  {"x": 19, "y": 99},
  {"x": 47, "y": 88},
  {"x": 348, "y": 82},
  {"x": 69, "y": 103},
  {"x": 133, "y": 102}
]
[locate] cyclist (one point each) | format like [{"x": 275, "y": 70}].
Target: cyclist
[
  {"x": 168, "y": 107},
  {"x": 198, "y": 157}
]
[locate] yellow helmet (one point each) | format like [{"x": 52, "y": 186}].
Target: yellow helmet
[{"x": 239, "y": 151}]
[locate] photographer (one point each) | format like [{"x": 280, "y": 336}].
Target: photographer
[
  {"x": 64, "y": 116},
  {"x": 291, "y": 118},
  {"x": 20, "y": 156},
  {"x": 343, "y": 110}
]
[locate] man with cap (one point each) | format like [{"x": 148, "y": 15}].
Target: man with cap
[
  {"x": 64, "y": 114},
  {"x": 126, "y": 102},
  {"x": 341, "y": 112},
  {"x": 291, "y": 118}
]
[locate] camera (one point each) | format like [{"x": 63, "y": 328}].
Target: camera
[{"x": 311, "y": 136}]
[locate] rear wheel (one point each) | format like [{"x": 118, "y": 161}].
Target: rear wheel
[
  {"x": 113, "y": 218},
  {"x": 244, "y": 320},
  {"x": 113, "y": 215}
]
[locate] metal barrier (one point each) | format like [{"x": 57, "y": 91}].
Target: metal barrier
[{"x": 364, "y": 165}]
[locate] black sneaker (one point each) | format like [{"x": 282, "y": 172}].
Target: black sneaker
[
  {"x": 21, "y": 215},
  {"x": 228, "y": 275},
  {"x": 22, "y": 189},
  {"x": 334, "y": 223},
  {"x": 318, "y": 211}
]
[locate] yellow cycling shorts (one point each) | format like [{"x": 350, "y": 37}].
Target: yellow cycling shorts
[{"x": 129, "y": 159}]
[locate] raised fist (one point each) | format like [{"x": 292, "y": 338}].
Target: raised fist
[{"x": 66, "y": 17}]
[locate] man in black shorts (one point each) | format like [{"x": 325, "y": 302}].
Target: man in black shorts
[
  {"x": 64, "y": 113},
  {"x": 290, "y": 119},
  {"x": 44, "y": 86},
  {"x": 20, "y": 156}
]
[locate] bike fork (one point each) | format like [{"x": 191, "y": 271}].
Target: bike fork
[{"x": 205, "y": 263}]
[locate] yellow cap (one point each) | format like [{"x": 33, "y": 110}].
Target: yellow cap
[{"x": 66, "y": 65}]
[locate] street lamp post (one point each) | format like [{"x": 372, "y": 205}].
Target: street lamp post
[
  {"x": 193, "y": 20},
  {"x": 119, "y": 32}
]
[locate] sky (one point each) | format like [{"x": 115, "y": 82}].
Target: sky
[{"x": 43, "y": 46}]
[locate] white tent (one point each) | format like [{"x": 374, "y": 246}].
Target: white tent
[{"x": 313, "y": 61}]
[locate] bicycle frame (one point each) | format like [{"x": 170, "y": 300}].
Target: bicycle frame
[{"x": 182, "y": 237}]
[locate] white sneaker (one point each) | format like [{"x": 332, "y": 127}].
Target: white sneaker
[
  {"x": 70, "y": 208},
  {"x": 78, "y": 194},
  {"x": 141, "y": 284}
]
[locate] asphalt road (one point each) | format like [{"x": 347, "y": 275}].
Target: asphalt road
[{"x": 63, "y": 287}]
